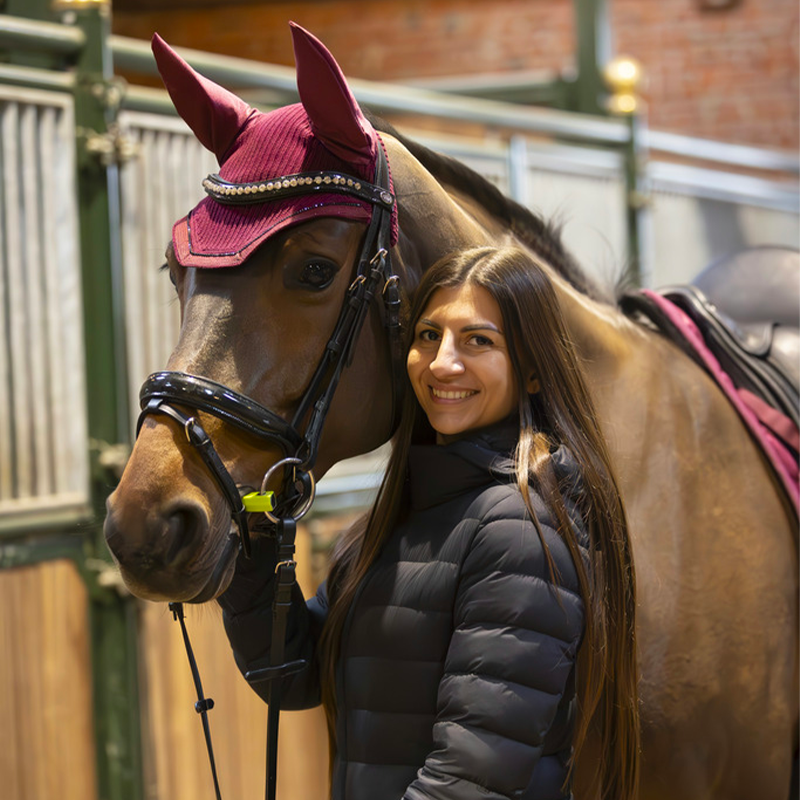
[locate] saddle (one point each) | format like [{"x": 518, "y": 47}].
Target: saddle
[{"x": 754, "y": 359}]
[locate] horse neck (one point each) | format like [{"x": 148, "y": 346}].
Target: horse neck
[
  {"x": 604, "y": 338},
  {"x": 664, "y": 420},
  {"x": 621, "y": 363},
  {"x": 434, "y": 220}
]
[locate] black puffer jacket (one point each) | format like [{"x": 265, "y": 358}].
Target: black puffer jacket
[{"x": 456, "y": 679}]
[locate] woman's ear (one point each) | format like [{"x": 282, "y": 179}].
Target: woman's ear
[{"x": 533, "y": 385}]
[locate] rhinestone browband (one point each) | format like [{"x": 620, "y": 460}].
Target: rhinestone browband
[{"x": 292, "y": 185}]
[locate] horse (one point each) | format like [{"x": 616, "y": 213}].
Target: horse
[{"x": 714, "y": 539}]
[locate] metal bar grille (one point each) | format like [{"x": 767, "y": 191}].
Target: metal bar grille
[
  {"x": 158, "y": 186},
  {"x": 44, "y": 462}
]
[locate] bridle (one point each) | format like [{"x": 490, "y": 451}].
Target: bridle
[
  {"x": 373, "y": 277},
  {"x": 169, "y": 392}
]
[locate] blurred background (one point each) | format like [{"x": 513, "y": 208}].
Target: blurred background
[{"x": 661, "y": 134}]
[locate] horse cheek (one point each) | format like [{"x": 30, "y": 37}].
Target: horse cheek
[{"x": 360, "y": 418}]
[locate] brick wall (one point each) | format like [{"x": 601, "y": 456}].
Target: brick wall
[{"x": 727, "y": 74}]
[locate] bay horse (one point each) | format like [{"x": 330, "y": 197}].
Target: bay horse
[{"x": 714, "y": 539}]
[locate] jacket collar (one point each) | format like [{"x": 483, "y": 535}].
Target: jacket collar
[{"x": 438, "y": 473}]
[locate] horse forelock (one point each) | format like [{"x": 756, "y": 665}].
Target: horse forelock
[{"x": 542, "y": 236}]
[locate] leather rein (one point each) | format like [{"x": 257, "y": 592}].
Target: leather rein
[{"x": 169, "y": 392}]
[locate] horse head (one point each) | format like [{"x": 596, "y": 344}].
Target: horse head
[{"x": 285, "y": 258}]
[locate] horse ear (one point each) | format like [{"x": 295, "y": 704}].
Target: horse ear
[
  {"x": 335, "y": 116},
  {"x": 214, "y": 114}
]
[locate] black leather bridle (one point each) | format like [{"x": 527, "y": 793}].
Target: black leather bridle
[{"x": 163, "y": 392}]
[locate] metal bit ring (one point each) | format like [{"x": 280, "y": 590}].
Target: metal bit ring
[{"x": 303, "y": 510}]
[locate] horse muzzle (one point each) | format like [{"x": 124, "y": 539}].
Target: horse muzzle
[{"x": 171, "y": 552}]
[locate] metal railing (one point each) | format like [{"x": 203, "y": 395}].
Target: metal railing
[
  {"x": 135, "y": 55},
  {"x": 25, "y": 34},
  {"x": 280, "y": 81},
  {"x": 732, "y": 155}
]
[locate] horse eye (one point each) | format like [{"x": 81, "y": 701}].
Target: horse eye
[
  {"x": 317, "y": 274},
  {"x": 165, "y": 268}
]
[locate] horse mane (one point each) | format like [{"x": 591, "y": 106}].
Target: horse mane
[{"x": 540, "y": 235}]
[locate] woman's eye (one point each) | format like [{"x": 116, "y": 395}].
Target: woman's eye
[
  {"x": 428, "y": 336},
  {"x": 317, "y": 274},
  {"x": 482, "y": 341}
]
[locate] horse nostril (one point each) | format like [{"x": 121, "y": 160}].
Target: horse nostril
[{"x": 185, "y": 523}]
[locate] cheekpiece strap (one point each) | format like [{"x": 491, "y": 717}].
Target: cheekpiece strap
[{"x": 303, "y": 183}]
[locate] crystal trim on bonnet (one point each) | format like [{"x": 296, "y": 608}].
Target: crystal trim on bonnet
[{"x": 229, "y": 193}]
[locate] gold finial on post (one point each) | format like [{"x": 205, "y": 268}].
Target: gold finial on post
[
  {"x": 623, "y": 75},
  {"x": 79, "y": 5}
]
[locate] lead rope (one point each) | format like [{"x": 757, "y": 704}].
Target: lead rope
[
  {"x": 286, "y": 577},
  {"x": 203, "y": 704}
]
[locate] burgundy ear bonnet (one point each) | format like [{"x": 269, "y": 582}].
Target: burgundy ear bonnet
[{"x": 325, "y": 132}]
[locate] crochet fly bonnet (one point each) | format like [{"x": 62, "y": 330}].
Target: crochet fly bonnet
[{"x": 315, "y": 158}]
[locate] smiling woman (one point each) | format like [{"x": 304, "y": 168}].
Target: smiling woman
[
  {"x": 448, "y": 633},
  {"x": 458, "y": 363}
]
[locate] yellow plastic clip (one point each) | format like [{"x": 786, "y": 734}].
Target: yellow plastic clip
[{"x": 255, "y": 501}]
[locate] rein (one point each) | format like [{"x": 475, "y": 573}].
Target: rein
[{"x": 373, "y": 278}]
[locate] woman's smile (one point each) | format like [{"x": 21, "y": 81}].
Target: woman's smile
[
  {"x": 451, "y": 394},
  {"x": 459, "y": 363}
]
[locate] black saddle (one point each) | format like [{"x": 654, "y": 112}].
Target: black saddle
[{"x": 747, "y": 308}]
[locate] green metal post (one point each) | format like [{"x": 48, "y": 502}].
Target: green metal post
[
  {"x": 593, "y": 51},
  {"x": 113, "y": 627},
  {"x": 113, "y": 623},
  {"x": 99, "y": 229},
  {"x": 637, "y": 200}
]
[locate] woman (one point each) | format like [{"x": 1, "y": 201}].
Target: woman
[{"x": 444, "y": 643}]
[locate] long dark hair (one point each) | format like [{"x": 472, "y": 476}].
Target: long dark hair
[{"x": 538, "y": 343}]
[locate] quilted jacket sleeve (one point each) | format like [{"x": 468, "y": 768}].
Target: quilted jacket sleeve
[
  {"x": 512, "y": 654},
  {"x": 247, "y": 615}
]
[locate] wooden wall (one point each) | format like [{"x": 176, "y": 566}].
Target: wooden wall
[
  {"x": 46, "y": 726},
  {"x": 47, "y": 744},
  {"x": 176, "y": 764}
]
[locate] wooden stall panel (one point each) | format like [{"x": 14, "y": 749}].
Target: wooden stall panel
[
  {"x": 46, "y": 728},
  {"x": 176, "y": 764}
]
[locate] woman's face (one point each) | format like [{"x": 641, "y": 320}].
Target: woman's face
[{"x": 459, "y": 363}]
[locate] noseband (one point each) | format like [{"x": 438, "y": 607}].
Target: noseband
[{"x": 374, "y": 277}]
